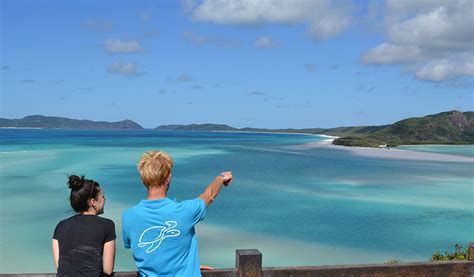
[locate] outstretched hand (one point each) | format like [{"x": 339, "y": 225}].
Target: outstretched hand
[
  {"x": 227, "y": 177},
  {"x": 206, "y": 267}
]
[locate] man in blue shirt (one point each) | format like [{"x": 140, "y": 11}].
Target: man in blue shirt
[{"x": 160, "y": 231}]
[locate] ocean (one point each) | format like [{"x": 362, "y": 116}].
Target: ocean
[{"x": 297, "y": 205}]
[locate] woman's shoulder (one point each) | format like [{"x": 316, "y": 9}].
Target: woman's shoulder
[
  {"x": 105, "y": 221},
  {"x": 108, "y": 226},
  {"x": 66, "y": 220},
  {"x": 64, "y": 224}
]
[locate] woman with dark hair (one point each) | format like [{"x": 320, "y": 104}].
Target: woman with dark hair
[{"x": 84, "y": 244}]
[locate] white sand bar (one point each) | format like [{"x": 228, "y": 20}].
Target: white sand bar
[
  {"x": 391, "y": 153},
  {"x": 405, "y": 154}
]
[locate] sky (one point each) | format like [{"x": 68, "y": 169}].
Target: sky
[{"x": 244, "y": 63}]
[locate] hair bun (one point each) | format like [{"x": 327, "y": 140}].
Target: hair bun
[{"x": 75, "y": 182}]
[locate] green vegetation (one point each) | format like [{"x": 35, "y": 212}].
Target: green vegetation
[
  {"x": 339, "y": 131},
  {"x": 357, "y": 141},
  {"x": 451, "y": 127},
  {"x": 393, "y": 261},
  {"x": 458, "y": 254},
  {"x": 352, "y": 131},
  {"x": 39, "y": 121},
  {"x": 444, "y": 128}
]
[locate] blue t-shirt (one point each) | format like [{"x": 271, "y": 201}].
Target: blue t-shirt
[{"x": 161, "y": 235}]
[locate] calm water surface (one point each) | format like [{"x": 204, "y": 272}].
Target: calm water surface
[
  {"x": 297, "y": 206},
  {"x": 458, "y": 150}
]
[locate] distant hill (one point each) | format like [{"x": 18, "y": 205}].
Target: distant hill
[
  {"x": 452, "y": 127},
  {"x": 339, "y": 131},
  {"x": 220, "y": 127},
  {"x": 49, "y": 122},
  {"x": 197, "y": 127}
]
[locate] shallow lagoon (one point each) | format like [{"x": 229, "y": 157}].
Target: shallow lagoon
[
  {"x": 458, "y": 150},
  {"x": 298, "y": 206}
]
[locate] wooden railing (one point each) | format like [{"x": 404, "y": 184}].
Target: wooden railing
[{"x": 248, "y": 263}]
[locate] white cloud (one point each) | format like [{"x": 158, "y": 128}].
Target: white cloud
[
  {"x": 440, "y": 70},
  {"x": 435, "y": 71},
  {"x": 387, "y": 53},
  {"x": 116, "y": 46},
  {"x": 439, "y": 28},
  {"x": 330, "y": 24},
  {"x": 128, "y": 69},
  {"x": 200, "y": 40},
  {"x": 324, "y": 18},
  {"x": 433, "y": 39},
  {"x": 265, "y": 42}
]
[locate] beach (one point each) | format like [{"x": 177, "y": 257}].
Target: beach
[{"x": 389, "y": 153}]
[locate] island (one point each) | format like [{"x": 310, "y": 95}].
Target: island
[
  {"x": 52, "y": 122},
  {"x": 451, "y": 127}
]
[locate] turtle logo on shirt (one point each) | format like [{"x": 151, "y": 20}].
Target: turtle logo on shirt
[{"x": 149, "y": 238}]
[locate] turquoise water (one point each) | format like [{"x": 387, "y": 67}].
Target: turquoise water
[
  {"x": 458, "y": 150},
  {"x": 297, "y": 206}
]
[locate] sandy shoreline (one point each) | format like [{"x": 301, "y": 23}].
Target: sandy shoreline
[
  {"x": 384, "y": 153},
  {"x": 391, "y": 153},
  {"x": 27, "y": 128}
]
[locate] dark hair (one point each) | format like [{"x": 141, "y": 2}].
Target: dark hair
[{"x": 81, "y": 191}]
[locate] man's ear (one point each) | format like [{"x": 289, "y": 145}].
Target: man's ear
[{"x": 168, "y": 179}]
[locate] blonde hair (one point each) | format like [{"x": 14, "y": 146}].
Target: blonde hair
[{"x": 154, "y": 168}]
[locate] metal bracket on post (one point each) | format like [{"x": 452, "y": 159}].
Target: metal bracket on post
[{"x": 248, "y": 263}]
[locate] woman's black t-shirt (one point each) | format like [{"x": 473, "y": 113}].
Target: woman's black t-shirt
[{"x": 81, "y": 243}]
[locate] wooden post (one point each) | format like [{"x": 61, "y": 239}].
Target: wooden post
[
  {"x": 248, "y": 263},
  {"x": 471, "y": 252}
]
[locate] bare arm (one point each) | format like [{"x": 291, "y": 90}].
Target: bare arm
[
  {"x": 108, "y": 257},
  {"x": 215, "y": 187},
  {"x": 56, "y": 253}
]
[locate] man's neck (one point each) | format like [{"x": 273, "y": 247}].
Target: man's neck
[{"x": 156, "y": 193}]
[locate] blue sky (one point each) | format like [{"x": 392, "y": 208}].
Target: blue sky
[{"x": 267, "y": 63}]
